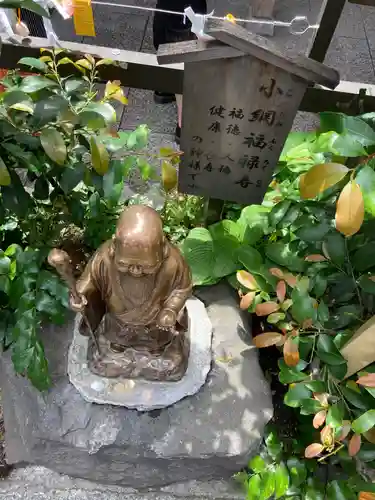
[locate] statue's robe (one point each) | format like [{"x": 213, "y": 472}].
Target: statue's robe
[{"x": 120, "y": 305}]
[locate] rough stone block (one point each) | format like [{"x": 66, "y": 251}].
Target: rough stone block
[{"x": 207, "y": 436}]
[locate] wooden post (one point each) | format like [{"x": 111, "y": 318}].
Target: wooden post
[
  {"x": 238, "y": 110},
  {"x": 329, "y": 17},
  {"x": 264, "y": 10}
]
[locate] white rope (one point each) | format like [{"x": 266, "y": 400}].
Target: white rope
[{"x": 297, "y": 26}]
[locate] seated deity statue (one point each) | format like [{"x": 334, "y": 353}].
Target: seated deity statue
[{"x": 132, "y": 295}]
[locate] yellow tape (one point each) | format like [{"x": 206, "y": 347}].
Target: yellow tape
[{"x": 83, "y": 18}]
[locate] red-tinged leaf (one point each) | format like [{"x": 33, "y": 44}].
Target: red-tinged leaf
[
  {"x": 366, "y": 495},
  {"x": 367, "y": 380},
  {"x": 290, "y": 279},
  {"x": 327, "y": 436},
  {"x": 307, "y": 324},
  {"x": 281, "y": 291},
  {"x": 313, "y": 450},
  {"x": 322, "y": 398},
  {"x": 247, "y": 280},
  {"x": 275, "y": 271},
  {"x": 319, "y": 419},
  {"x": 354, "y": 445},
  {"x": 350, "y": 209},
  {"x": 370, "y": 435},
  {"x": 267, "y": 339},
  {"x": 345, "y": 429},
  {"x": 282, "y": 341},
  {"x": 315, "y": 258},
  {"x": 247, "y": 300},
  {"x": 291, "y": 354},
  {"x": 266, "y": 308}
]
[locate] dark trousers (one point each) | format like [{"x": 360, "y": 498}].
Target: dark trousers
[{"x": 169, "y": 28}]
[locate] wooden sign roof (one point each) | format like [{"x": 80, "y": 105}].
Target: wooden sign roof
[{"x": 237, "y": 41}]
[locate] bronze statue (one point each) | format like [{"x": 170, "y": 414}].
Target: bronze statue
[{"x": 132, "y": 295}]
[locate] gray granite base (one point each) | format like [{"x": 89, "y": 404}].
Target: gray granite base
[
  {"x": 204, "y": 437},
  {"x": 141, "y": 394},
  {"x": 39, "y": 483}
]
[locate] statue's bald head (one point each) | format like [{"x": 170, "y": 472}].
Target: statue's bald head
[{"x": 139, "y": 239}]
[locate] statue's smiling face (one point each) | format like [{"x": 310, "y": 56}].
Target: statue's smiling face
[
  {"x": 136, "y": 260},
  {"x": 139, "y": 245}
]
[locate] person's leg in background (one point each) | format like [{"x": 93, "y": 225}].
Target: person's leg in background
[{"x": 169, "y": 28}]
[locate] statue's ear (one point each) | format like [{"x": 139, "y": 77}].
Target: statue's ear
[{"x": 111, "y": 249}]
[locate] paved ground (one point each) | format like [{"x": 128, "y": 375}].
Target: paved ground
[{"x": 352, "y": 50}]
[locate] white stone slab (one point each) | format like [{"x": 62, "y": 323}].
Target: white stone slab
[{"x": 141, "y": 394}]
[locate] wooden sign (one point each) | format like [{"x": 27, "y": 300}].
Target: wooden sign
[{"x": 237, "y": 110}]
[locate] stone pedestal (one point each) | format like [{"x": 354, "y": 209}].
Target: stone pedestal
[{"x": 207, "y": 436}]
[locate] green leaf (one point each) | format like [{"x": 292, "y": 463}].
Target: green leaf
[
  {"x": 41, "y": 189},
  {"x": 23, "y": 106},
  {"x": 323, "y": 313},
  {"x": 21, "y": 358},
  {"x": 32, "y": 84},
  {"x": 290, "y": 216},
  {"x": 141, "y": 134},
  {"x": 4, "y": 263},
  {"x": 72, "y": 176},
  {"x": 4, "y": 284},
  {"x": 253, "y": 223},
  {"x": 113, "y": 182},
  {"x": 363, "y": 257},
  {"x": 316, "y": 386},
  {"x": 99, "y": 156},
  {"x": 319, "y": 285},
  {"x": 102, "y": 109},
  {"x": 278, "y": 212},
  {"x": 297, "y": 471},
  {"x": 366, "y": 179},
  {"x": 366, "y": 454},
  {"x": 253, "y": 487},
  {"x": 314, "y": 490},
  {"x": 354, "y": 126},
  {"x": 303, "y": 306},
  {"x": 198, "y": 250},
  {"x": 367, "y": 284},
  {"x": 63, "y": 61},
  {"x": 310, "y": 407},
  {"x": 364, "y": 423},
  {"x": 32, "y": 62},
  {"x": 28, "y": 5},
  {"x": 334, "y": 248},
  {"x": 328, "y": 352},
  {"x": 257, "y": 464},
  {"x": 313, "y": 232},
  {"x": 38, "y": 369},
  {"x": 5, "y": 179},
  {"x": 284, "y": 255},
  {"x": 54, "y": 145},
  {"x": 339, "y": 490},
  {"x": 267, "y": 485},
  {"x": 344, "y": 316},
  {"x": 295, "y": 395},
  {"x": 288, "y": 375},
  {"x": 335, "y": 415},
  {"x": 74, "y": 84},
  {"x": 273, "y": 444},
  {"x": 250, "y": 258},
  {"x": 281, "y": 480},
  {"x": 347, "y": 145}
]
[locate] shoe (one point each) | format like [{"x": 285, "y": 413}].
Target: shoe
[
  {"x": 177, "y": 135},
  {"x": 163, "y": 98}
]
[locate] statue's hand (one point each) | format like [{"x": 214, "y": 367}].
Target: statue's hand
[
  {"x": 78, "y": 306},
  {"x": 167, "y": 318}
]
